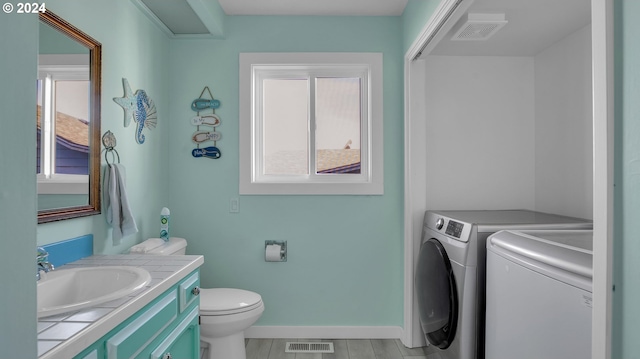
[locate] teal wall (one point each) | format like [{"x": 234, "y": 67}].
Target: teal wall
[
  {"x": 415, "y": 17},
  {"x": 345, "y": 251},
  {"x": 626, "y": 313},
  {"x": 19, "y": 44},
  {"x": 345, "y": 264},
  {"x": 52, "y": 41},
  {"x": 132, "y": 48},
  {"x": 48, "y": 201}
]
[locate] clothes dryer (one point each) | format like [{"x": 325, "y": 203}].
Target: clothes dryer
[{"x": 450, "y": 273}]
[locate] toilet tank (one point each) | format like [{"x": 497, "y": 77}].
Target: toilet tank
[{"x": 174, "y": 246}]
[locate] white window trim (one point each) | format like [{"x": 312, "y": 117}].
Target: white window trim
[
  {"x": 52, "y": 68},
  {"x": 371, "y": 180}
]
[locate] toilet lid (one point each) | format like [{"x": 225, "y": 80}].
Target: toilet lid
[{"x": 223, "y": 301}]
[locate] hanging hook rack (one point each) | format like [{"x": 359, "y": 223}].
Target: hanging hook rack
[{"x": 109, "y": 142}]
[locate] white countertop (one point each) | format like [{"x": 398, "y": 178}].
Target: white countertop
[{"x": 66, "y": 335}]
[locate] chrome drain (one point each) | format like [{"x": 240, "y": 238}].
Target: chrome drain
[{"x": 308, "y": 347}]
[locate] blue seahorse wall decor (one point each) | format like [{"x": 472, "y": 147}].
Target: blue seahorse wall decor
[{"x": 139, "y": 107}]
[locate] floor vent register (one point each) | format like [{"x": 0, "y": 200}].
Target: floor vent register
[{"x": 309, "y": 347}]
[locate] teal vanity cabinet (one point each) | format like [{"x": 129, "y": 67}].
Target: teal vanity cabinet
[{"x": 167, "y": 328}]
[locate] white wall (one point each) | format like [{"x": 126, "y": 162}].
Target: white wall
[
  {"x": 448, "y": 94},
  {"x": 564, "y": 128},
  {"x": 511, "y": 132},
  {"x": 479, "y": 132}
]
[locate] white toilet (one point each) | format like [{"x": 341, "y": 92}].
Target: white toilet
[{"x": 224, "y": 312}]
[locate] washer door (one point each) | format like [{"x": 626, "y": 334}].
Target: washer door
[{"x": 437, "y": 295}]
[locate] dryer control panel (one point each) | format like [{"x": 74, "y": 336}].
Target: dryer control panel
[{"x": 454, "y": 229}]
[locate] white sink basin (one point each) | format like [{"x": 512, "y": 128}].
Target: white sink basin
[{"x": 66, "y": 290}]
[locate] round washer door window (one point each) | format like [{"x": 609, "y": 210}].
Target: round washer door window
[{"x": 437, "y": 296}]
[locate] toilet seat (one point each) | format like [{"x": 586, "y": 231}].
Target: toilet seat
[{"x": 227, "y": 301}]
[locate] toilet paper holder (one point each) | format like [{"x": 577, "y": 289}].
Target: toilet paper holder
[{"x": 283, "y": 249}]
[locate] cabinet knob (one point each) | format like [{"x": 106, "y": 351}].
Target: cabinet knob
[
  {"x": 167, "y": 356},
  {"x": 195, "y": 291}
]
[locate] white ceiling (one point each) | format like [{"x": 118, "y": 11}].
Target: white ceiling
[
  {"x": 533, "y": 25},
  {"x": 314, "y": 7}
]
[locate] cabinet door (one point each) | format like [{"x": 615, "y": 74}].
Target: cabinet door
[
  {"x": 183, "y": 342},
  {"x": 129, "y": 341},
  {"x": 189, "y": 290}
]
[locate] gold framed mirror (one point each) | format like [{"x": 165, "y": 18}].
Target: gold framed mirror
[{"x": 75, "y": 57}]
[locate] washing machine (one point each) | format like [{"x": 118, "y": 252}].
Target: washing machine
[
  {"x": 539, "y": 294},
  {"x": 450, "y": 273}
]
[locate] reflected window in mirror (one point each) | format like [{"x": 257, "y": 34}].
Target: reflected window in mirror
[{"x": 63, "y": 130}]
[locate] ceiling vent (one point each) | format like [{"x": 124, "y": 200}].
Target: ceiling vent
[{"x": 479, "y": 27}]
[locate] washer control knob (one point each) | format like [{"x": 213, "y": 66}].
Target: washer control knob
[{"x": 439, "y": 223}]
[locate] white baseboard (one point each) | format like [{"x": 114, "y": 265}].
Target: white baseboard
[{"x": 323, "y": 332}]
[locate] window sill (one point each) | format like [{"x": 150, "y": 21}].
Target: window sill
[
  {"x": 312, "y": 188},
  {"x": 64, "y": 184}
]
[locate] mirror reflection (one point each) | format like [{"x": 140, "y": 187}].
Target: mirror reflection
[
  {"x": 68, "y": 121},
  {"x": 62, "y": 121}
]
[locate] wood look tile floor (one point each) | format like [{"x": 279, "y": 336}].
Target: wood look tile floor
[{"x": 343, "y": 349}]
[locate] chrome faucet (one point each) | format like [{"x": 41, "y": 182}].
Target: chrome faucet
[{"x": 42, "y": 262}]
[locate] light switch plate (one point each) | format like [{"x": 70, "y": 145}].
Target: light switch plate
[{"x": 234, "y": 205}]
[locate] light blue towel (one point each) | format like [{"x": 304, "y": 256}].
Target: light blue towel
[{"x": 118, "y": 214}]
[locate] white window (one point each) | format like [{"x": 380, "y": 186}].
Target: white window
[
  {"x": 311, "y": 123},
  {"x": 62, "y": 163}
]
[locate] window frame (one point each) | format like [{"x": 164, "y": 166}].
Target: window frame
[{"x": 256, "y": 67}]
